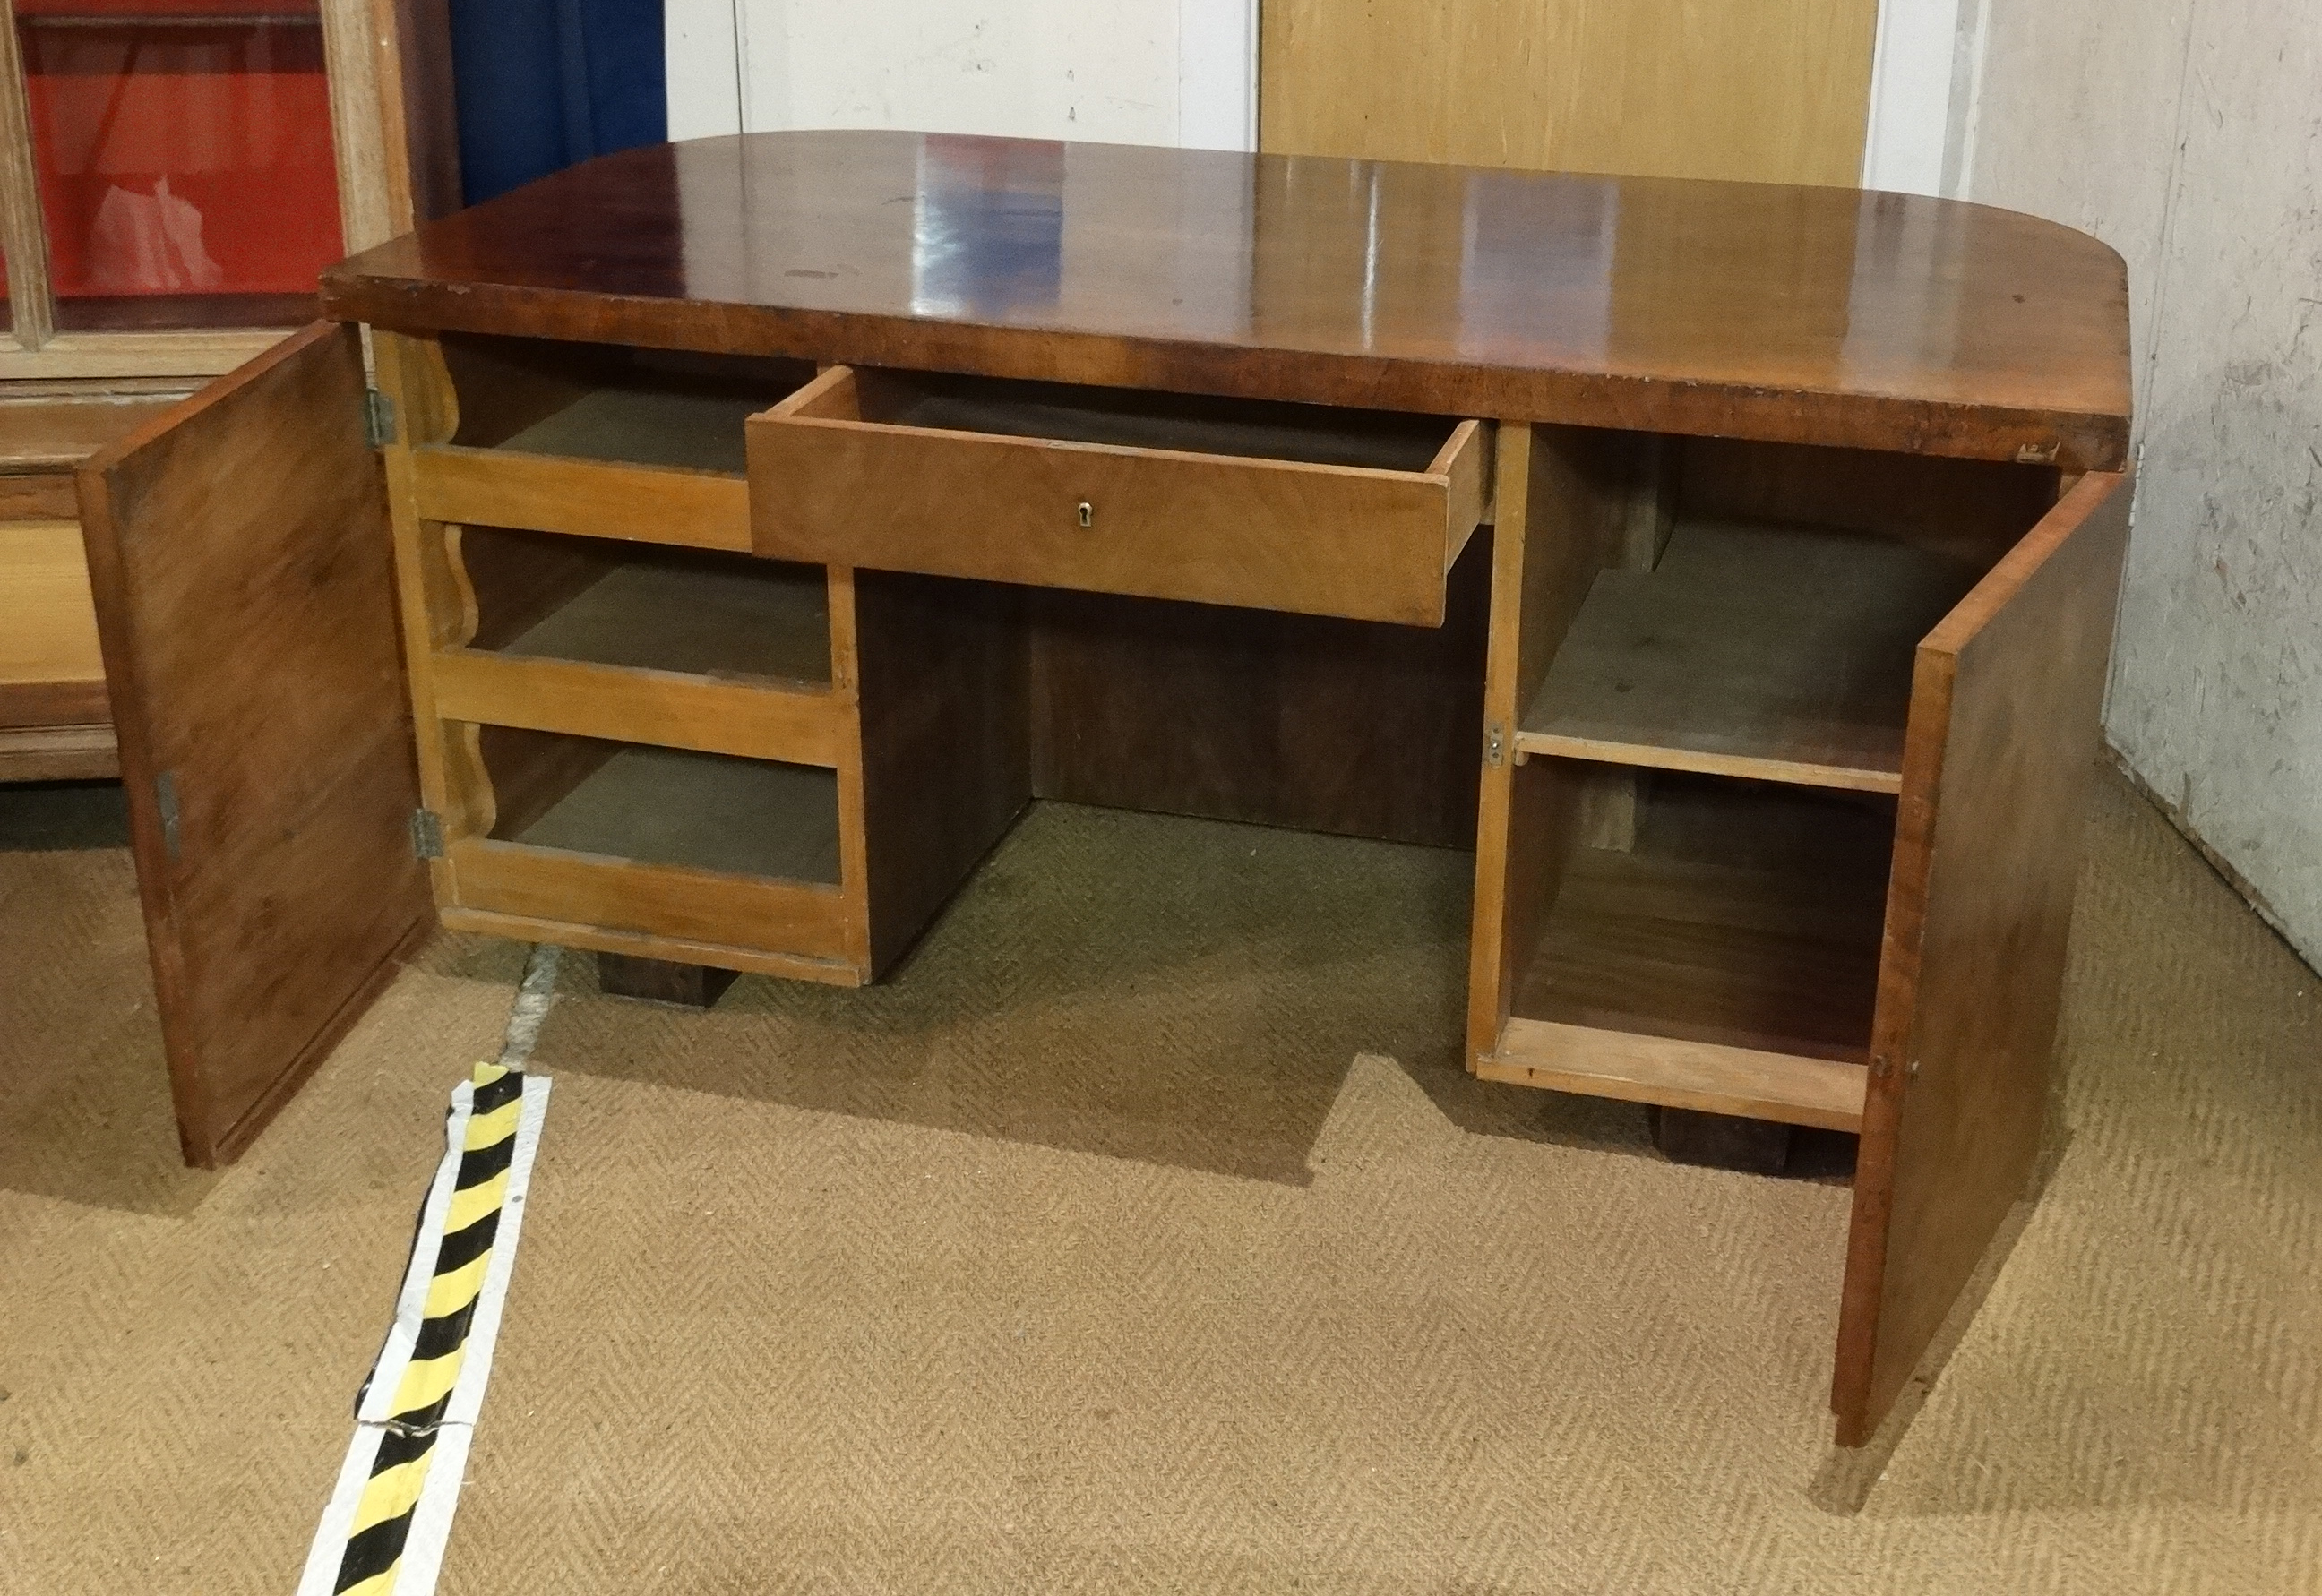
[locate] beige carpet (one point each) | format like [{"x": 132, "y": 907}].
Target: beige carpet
[{"x": 1144, "y": 1236}]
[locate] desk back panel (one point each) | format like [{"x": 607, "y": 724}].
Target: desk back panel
[{"x": 1356, "y": 727}]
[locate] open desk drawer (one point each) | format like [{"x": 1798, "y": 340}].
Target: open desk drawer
[{"x": 1296, "y": 507}]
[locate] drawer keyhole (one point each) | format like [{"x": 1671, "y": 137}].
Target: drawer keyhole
[{"x": 1087, "y": 513}]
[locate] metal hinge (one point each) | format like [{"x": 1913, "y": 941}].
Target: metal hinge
[
  {"x": 426, "y": 835},
  {"x": 378, "y": 418},
  {"x": 165, "y": 799},
  {"x": 1494, "y": 743}
]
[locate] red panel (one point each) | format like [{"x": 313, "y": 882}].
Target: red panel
[
  {"x": 162, "y": 8},
  {"x": 182, "y": 155}
]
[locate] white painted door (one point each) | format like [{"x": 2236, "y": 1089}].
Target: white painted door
[{"x": 1179, "y": 72}]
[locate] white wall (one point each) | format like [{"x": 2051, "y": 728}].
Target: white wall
[
  {"x": 1122, "y": 71},
  {"x": 2188, "y": 134}
]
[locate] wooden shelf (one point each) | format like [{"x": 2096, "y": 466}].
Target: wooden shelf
[
  {"x": 1675, "y": 1075},
  {"x": 694, "y": 811},
  {"x": 51, "y": 672},
  {"x": 762, "y": 620},
  {"x": 1774, "y": 652},
  {"x": 717, "y": 653},
  {"x": 1729, "y": 963},
  {"x": 648, "y": 425}
]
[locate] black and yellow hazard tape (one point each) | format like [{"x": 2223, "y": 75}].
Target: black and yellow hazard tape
[
  {"x": 387, "y": 1522},
  {"x": 381, "y": 1528},
  {"x": 421, "y": 1371}
]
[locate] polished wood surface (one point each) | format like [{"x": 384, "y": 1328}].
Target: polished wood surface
[
  {"x": 1766, "y": 91},
  {"x": 2005, "y": 729},
  {"x": 246, "y": 609},
  {"x": 1798, "y": 313}
]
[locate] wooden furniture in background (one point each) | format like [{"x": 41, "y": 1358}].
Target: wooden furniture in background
[
  {"x": 172, "y": 177},
  {"x": 1730, "y": 566},
  {"x": 1766, "y": 91}
]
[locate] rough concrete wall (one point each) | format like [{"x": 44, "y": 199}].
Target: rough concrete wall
[{"x": 2188, "y": 134}]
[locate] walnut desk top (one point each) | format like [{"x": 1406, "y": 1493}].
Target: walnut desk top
[{"x": 1758, "y": 310}]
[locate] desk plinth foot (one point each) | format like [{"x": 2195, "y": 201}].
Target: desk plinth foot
[
  {"x": 660, "y": 981},
  {"x": 1722, "y": 1141}
]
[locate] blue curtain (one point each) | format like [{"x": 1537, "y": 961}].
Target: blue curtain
[{"x": 543, "y": 83}]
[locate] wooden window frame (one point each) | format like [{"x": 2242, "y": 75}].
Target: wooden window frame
[{"x": 364, "y": 70}]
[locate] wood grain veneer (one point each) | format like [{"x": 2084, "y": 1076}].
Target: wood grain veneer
[
  {"x": 2004, "y": 728},
  {"x": 245, "y": 601},
  {"x": 1729, "y": 309}
]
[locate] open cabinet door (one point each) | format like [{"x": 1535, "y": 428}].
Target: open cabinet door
[
  {"x": 239, "y": 550},
  {"x": 2007, "y": 697}
]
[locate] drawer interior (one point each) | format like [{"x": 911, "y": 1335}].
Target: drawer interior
[
  {"x": 599, "y": 601},
  {"x": 663, "y": 806},
  {"x": 600, "y": 402},
  {"x": 1133, "y": 418}
]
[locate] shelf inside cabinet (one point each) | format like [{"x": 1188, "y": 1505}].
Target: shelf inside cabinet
[
  {"x": 1776, "y": 652},
  {"x": 1729, "y": 960},
  {"x": 597, "y": 601},
  {"x": 648, "y": 427},
  {"x": 665, "y": 806},
  {"x": 612, "y": 403}
]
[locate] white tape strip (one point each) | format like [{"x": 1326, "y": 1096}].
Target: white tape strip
[
  {"x": 431, "y": 1519},
  {"x": 330, "y": 1547}
]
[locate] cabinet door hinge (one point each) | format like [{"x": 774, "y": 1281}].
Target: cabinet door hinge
[
  {"x": 1496, "y": 736},
  {"x": 378, "y": 418},
  {"x": 426, "y": 835},
  {"x": 165, "y": 799}
]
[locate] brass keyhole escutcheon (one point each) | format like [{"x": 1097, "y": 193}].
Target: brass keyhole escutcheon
[{"x": 1087, "y": 513}]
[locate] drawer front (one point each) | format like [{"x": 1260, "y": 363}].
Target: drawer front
[{"x": 1368, "y": 543}]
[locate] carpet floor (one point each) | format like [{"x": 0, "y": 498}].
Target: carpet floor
[{"x": 1144, "y": 1235}]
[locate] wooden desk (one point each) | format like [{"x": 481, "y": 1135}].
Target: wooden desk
[{"x": 1732, "y": 566}]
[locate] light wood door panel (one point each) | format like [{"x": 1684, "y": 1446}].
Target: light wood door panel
[
  {"x": 1772, "y": 91},
  {"x": 2004, "y": 731},
  {"x": 241, "y": 570}
]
